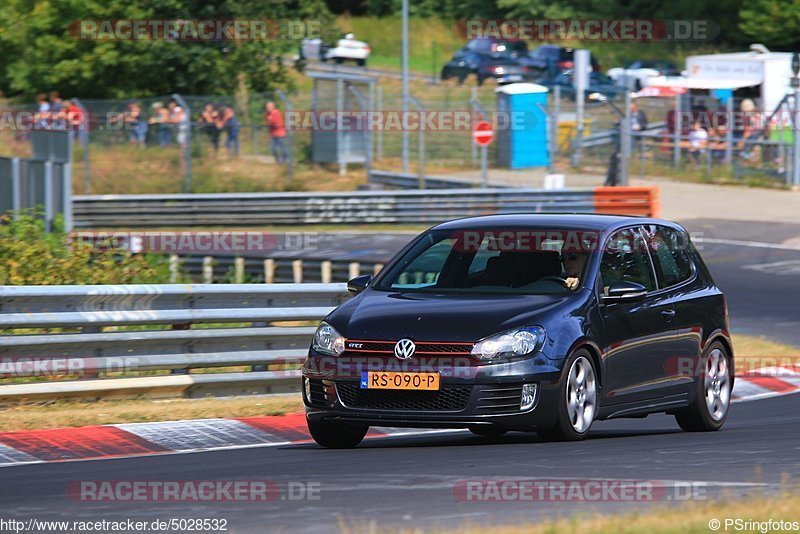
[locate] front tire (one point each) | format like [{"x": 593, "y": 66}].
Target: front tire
[
  {"x": 712, "y": 399},
  {"x": 337, "y": 435},
  {"x": 578, "y": 403}
]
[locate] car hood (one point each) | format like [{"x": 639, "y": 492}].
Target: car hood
[{"x": 380, "y": 315}]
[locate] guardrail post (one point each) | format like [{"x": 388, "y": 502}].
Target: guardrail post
[
  {"x": 297, "y": 271},
  {"x": 326, "y": 271},
  {"x": 354, "y": 269},
  {"x": 238, "y": 273},
  {"x": 208, "y": 269},
  {"x": 174, "y": 266},
  {"x": 269, "y": 271},
  {"x": 376, "y": 269},
  {"x": 16, "y": 187},
  {"x": 49, "y": 204}
]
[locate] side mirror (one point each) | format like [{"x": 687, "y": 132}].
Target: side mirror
[
  {"x": 358, "y": 284},
  {"x": 622, "y": 291}
]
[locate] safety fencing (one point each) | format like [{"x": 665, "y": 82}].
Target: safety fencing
[
  {"x": 356, "y": 207},
  {"x": 156, "y": 340}
]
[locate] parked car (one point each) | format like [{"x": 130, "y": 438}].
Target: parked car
[
  {"x": 346, "y": 49},
  {"x": 598, "y": 83},
  {"x": 484, "y": 58},
  {"x": 553, "y": 59},
  {"x": 640, "y": 72},
  {"x": 525, "y": 322}
]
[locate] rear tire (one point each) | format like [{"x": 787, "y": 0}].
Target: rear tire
[
  {"x": 361, "y": 62},
  {"x": 578, "y": 403},
  {"x": 487, "y": 431},
  {"x": 712, "y": 399},
  {"x": 337, "y": 435}
]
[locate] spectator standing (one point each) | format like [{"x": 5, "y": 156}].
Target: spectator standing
[
  {"x": 230, "y": 123},
  {"x": 179, "y": 121},
  {"x": 277, "y": 130},
  {"x": 638, "y": 118},
  {"x": 57, "y": 111},
  {"x": 209, "y": 119},
  {"x": 160, "y": 118},
  {"x": 42, "y": 111},
  {"x": 698, "y": 139},
  {"x": 77, "y": 122},
  {"x": 137, "y": 128}
]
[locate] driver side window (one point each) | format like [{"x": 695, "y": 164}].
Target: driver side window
[{"x": 625, "y": 258}]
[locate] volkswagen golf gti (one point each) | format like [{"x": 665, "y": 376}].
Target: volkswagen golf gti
[{"x": 525, "y": 322}]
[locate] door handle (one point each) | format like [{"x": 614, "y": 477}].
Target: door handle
[{"x": 668, "y": 315}]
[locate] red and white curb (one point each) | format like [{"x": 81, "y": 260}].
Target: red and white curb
[{"x": 176, "y": 437}]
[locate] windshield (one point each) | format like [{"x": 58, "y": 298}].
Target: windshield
[{"x": 529, "y": 261}]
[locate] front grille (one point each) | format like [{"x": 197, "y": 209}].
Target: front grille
[
  {"x": 499, "y": 398},
  {"x": 447, "y": 399},
  {"x": 422, "y": 347}
]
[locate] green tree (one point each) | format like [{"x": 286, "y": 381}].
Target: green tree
[
  {"x": 41, "y": 51},
  {"x": 774, "y": 23}
]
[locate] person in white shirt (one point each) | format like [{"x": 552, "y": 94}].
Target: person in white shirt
[{"x": 698, "y": 139}]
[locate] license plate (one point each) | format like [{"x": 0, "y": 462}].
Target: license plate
[{"x": 396, "y": 380}]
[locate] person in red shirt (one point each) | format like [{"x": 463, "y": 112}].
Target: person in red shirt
[{"x": 277, "y": 130}]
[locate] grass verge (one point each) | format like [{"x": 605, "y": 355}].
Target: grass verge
[
  {"x": 683, "y": 519},
  {"x": 751, "y": 353}
]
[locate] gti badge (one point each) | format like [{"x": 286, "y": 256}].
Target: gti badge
[{"x": 404, "y": 349}]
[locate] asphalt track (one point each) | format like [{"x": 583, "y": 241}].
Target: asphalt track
[
  {"x": 410, "y": 481},
  {"x": 405, "y": 481}
]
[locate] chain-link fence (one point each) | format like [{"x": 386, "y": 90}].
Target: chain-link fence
[{"x": 223, "y": 143}]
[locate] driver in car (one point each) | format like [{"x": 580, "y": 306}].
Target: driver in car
[{"x": 573, "y": 267}]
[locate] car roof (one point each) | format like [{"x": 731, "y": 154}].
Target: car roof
[{"x": 584, "y": 221}]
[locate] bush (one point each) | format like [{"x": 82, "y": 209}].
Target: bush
[{"x": 31, "y": 256}]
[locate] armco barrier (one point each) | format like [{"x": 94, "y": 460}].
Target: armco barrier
[
  {"x": 356, "y": 207},
  {"x": 129, "y": 359}
]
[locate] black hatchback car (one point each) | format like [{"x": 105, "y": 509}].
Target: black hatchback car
[{"x": 525, "y": 322}]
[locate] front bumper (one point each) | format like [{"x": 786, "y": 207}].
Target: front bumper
[{"x": 477, "y": 396}]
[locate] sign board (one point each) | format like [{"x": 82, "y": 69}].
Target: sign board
[{"x": 483, "y": 134}]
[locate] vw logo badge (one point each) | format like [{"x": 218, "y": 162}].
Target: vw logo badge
[{"x": 404, "y": 349}]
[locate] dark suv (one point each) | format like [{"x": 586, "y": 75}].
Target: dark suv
[
  {"x": 554, "y": 59},
  {"x": 525, "y": 322},
  {"x": 485, "y": 57}
]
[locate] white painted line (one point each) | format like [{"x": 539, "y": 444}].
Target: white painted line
[{"x": 751, "y": 244}]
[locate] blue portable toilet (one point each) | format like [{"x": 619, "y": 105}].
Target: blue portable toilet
[{"x": 523, "y": 142}]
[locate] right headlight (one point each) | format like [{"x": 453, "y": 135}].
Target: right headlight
[
  {"x": 509, "y": 344},
  {"x": 327, "y": 340}
]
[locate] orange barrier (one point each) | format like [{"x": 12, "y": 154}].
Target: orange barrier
[{"x": 642, "y": 201}]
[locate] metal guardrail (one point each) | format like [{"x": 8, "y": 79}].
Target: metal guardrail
[
  {"x": 356, "y": 207},
  {"x": 401, "y": 180},
  {"x": 110, "y": 344}
]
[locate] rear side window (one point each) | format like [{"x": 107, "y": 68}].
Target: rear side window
[
  {"x": 671, "y": 255},
  {"x": 625, "y": 259}
]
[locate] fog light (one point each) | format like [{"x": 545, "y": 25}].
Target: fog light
[
  {"x": 528, "y": 396},
  {"x": 307, "y": 388}
]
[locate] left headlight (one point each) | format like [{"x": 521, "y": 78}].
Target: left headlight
[
  {"x": 510, "y": 344},
  {"x": 327, "y": 340}
]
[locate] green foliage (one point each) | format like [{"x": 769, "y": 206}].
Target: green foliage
[
  {"x": 30, "y": 256},
  {"x": 772, "y": 22},
  {"x": 40, "y": 53}
]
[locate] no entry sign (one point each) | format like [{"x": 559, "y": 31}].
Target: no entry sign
[{"x": 482, "y": 134}]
